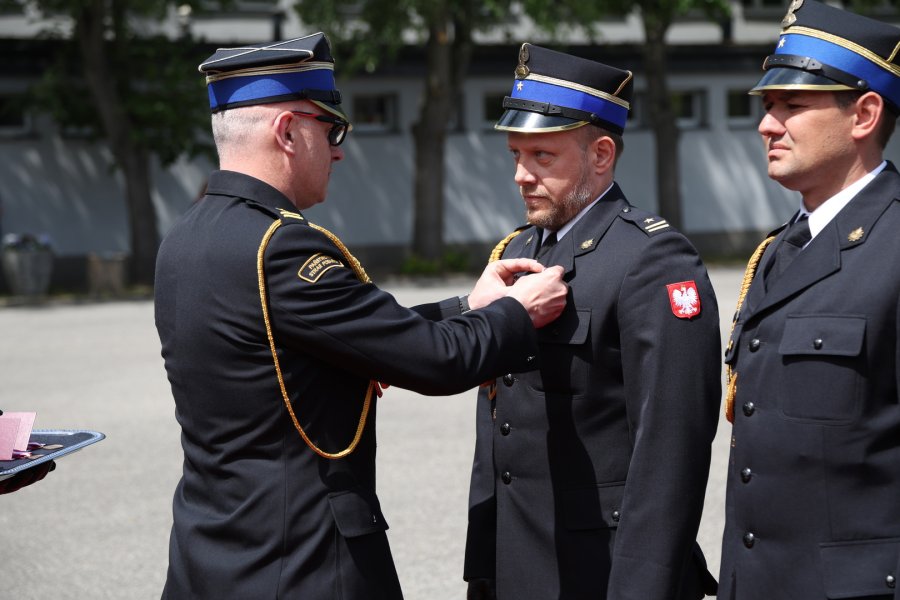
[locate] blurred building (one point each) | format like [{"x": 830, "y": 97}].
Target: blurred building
[{"x": 53, "y": 182}]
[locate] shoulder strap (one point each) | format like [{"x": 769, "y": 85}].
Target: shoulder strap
[
  {"x": 730, "y": 374},
  {"x": 498, "y": 250}
]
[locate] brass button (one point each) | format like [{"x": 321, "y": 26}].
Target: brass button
[
  {"x": 749, "y": 408},
  {"x": 754, "y": 344},
  {"x": 504, "y": 429}
]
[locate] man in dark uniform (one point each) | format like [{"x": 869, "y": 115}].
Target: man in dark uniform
[
  {"x": 589, "y": 473},
  {"x": 274, "y": 339},
  {"x": 813, "y": 501}
]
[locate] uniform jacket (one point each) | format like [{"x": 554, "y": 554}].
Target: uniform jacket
[
  {"x": 589, "y": 476},
  {"x": 258, "y": 514},
  {"x": 813, "y": 501}
]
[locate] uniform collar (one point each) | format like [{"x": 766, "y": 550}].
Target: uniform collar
[
  {"x": 826, "y": 212},
  {"x": 234, "y": 184}
]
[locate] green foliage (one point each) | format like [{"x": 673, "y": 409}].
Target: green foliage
[
  {"x": 367, "y": 32},
  {"x": 156, "y": 79}
]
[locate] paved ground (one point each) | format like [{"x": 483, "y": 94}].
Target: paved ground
[{"x": 98, "y": 527}]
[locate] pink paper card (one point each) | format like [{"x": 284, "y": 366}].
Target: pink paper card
[
  {"x": 8, "y": 430},
  {"x": 25, "y": 422}
]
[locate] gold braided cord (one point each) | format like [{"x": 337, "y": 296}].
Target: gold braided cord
[
  {"x": 354, "y": 264},
  {"x": 497, "y": 252},
  {"x": 730, "y": 375},
  {"x": 260, "y": 272}
]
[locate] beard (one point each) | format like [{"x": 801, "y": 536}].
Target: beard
[{"x": 563, "y": 210}]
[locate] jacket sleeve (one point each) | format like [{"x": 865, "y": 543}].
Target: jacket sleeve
[
  {"x": 671, "y": 371},
  {"x": 318, "y": 304}
]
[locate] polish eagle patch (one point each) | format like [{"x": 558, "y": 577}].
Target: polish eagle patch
[{"x": 684, "y": 299}]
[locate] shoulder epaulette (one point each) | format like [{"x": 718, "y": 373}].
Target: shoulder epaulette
[
  {"x": 648, "y": 223},
  {"x": 498, "y": 250},
  {"x": 286, "y": 214}
]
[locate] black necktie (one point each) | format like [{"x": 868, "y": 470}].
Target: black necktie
[
  {"x": 796, "y": 236},
  {"x": 548, "y": 243}
]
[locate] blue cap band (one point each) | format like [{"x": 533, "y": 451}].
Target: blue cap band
[
  {"x": 539, "y": 91},
  {"x": 251, "y": 88},
  {"x": 880, "y": 80}
]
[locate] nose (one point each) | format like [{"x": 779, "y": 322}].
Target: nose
[
  {"x": 769, "y": 126},
  {"x": 523, "y": 175},
  {"x": 337, "y": 153}
]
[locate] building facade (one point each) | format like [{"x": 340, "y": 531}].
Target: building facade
[{"x": 62, "y": 186}]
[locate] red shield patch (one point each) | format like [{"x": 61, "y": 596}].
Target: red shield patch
[{"x": 684, "y": 298}]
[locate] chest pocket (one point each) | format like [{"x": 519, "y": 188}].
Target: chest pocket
[
  {"x": 571, "y": 327},
  {"x": 822, "y": 358}
]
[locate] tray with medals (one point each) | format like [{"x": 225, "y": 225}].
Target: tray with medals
[{"x": 49, "y": 444}]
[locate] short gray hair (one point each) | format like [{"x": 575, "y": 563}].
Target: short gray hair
[{"x": 234, "y": 128}]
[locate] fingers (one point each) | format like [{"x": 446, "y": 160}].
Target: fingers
[{"x": 508, "y": 268}]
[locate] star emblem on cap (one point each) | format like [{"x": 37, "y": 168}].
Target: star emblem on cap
[
  {"x": 781, "y": 43},
  {"x": 519, "y": 86}
]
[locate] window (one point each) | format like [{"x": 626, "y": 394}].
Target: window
[
  {"x": 743, "y": 109},
  {"x": 14, "y": 118},
  {"x": 374, "y": 113},
  {"x": 689, "y": 108}
]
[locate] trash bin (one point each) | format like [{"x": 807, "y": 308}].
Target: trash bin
[
  {"x": 27, "y": 264},
  {"x": 106, "y": 273}
]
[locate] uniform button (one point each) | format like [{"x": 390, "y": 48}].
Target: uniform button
[
  {"x": 754, "y": 344},
  {"x": 529, "y": 358},
  {"x": 749, "y": 408},
  {"x": 615, "y": 516},
  {"x": 890, "y": 581},
  {"x": 626, "y": 209},
  {"x": 504, "y": 429},
  {"x": 508, "y": 379},
  {"x": 817, "y": 343},
  {"x": 746, "y": 474},
  {"x": 749, "y": 539},
  {"x": 506, "y": 477}
]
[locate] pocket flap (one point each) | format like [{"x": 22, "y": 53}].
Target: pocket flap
[
  {"x": 854, "y": 569},
  {"x": 571, "y": 327},
  {"x": 592, "y": 507},
  {"x": 826, "y": 335},
  {"x": 355, "y": 514}
]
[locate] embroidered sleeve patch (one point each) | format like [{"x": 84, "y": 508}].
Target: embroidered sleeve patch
[
  {"x": 684, "y": 299},
  {"x": 316, "y": 266}
]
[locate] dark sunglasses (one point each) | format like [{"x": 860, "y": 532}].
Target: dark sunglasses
[{"x": 338, "y": 130}]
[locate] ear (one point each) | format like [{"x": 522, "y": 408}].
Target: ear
[
  {"x": 604, "y": 158},
  {"x": 868, "y": 111},
  {"x": 281, "y": 129}
]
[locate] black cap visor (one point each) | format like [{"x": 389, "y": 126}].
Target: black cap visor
[
  {"x": 786, "y": 78},
  {"x": 531, "y": 122}
]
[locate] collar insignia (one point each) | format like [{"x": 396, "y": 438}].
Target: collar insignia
[
  {"x": 587, "y": 244},
  {"x": 530, "y": 237},
  {"x": 856, "y": 235}
]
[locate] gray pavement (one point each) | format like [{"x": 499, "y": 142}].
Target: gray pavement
[{"x": 98, "y": 526}]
